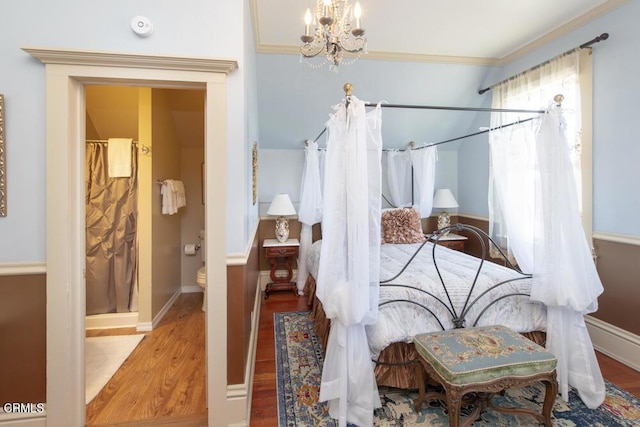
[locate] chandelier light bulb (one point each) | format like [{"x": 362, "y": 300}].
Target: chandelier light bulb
[
  {"x": 307, "y": 17},
  {"x": 327, "y": 8},
  {"x": 307, "y": 22},
  {"x": 357, "y": 13}
]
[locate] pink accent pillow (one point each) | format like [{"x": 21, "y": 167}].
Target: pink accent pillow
[{"x": 402, "y": 226}]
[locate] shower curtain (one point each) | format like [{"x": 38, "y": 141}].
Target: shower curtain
[{"x": 111, "y": 206}]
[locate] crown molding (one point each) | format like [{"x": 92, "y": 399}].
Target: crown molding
[
  {"x": 102, "y": 58},
  {"x": 389, "y": 56}
]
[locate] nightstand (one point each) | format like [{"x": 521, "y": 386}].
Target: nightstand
[
  {"x": 451, "y": 241},
  {"x": 281, "y": 256}
]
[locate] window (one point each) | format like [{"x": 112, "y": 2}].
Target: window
[{"x": 512, "y": 150}]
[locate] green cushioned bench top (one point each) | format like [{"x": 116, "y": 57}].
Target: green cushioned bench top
[{"x": 482, "y": 354}]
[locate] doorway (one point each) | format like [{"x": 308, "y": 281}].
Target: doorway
[
  {"x": 170, "y": 123},
  {"x": 67, "y": 72}
]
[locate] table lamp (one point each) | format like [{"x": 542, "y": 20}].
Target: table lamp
[
  {"x": 444, "y": 200},
  {"x": 281, "y": 206}
]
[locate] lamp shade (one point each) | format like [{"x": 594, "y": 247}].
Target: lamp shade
[
  {"x": 444, "y": 199},
  {"x": 281, "y": 206}
]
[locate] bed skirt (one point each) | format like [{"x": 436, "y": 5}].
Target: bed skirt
[{"x": 398, "y": 362}]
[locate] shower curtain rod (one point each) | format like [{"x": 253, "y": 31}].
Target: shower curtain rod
[
  {"x": 143, "y": 148},
  {"x": 102, "y": 141},
  {"x": 593, "y": 41}
]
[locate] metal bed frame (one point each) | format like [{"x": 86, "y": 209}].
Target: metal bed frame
[{"x": 458, "y": 315}]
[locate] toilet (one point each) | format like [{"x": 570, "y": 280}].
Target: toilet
[{"x": 201, "y": 275}]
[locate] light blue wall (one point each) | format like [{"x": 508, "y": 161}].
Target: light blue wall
[
  {"x": 208, "y": 28},
  {"x": 295, "y": 100},
  {"x": 616, "y": 124},
  {"x": 280, "y": 171},
  {"x": 251, "y": 123}
]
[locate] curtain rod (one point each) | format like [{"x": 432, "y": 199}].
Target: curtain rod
[
  {"x": 439, "y": 107},
  {"x": 452, "y": 139},
  {"x": 476, "y": 133},
  {"x": 593, "y": 41},
  {"x": 436, "y": 107},
  {"x": 143, "y": 148},
  {"x": 348, "y": 87},
  {"x": 102, "y": 141}
]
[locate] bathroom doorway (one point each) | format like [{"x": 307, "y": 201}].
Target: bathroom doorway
[
  {"x": 165, "y": 128},
  {"x": 67, "y": 72},
  {"x": 159, "y": 133}
]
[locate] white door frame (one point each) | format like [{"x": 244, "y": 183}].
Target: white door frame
[{"x": 67, "y": 72}]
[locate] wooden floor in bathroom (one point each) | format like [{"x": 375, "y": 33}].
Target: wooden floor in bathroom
[{"x": 162, "y": 383}]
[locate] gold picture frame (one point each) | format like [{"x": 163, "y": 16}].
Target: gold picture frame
[
  {"x": 255, "y": 172},
  {"x": 3, "y": 163}
]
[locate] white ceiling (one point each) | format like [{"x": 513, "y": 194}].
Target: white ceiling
[{"x": 486, "y": 32}]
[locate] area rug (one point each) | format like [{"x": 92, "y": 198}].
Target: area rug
[
  {"x": 299, "y": 359},
  {"x": 103, "y": 356}
]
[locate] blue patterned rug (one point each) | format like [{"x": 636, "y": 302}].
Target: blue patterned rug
[{"x": 299, "y": 360}]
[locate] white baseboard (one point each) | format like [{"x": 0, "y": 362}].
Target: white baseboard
[
  {"x": 150, "y": 326},
  {"x": 111, "y": 320},
  {"x": 190, "y": 289},
  {"x": 615, "y": 342},
  {"x": 23, "y": 420},
  {"x": 263, "y": 280}
]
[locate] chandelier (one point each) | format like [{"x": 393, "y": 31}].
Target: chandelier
[{"x": 333, "y": 34}]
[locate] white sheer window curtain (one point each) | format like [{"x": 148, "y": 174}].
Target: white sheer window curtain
[
  {"x": 535, "y": 214},
  {"x": 512, "y": 149}
]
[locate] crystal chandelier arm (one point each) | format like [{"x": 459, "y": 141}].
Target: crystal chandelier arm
[
  {"x": 351, "y": 44},
  {"x": 316, "y": 45}
]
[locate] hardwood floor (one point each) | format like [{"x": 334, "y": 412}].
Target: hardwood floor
[
  {"x": 162, "y": 383},
  {"x": 264, "y": 410}
]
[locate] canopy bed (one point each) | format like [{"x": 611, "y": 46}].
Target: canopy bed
[
  {"x": 371, "y": 291},
  {"x": 428, "y": 287}
]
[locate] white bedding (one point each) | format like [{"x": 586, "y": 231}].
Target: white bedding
[{"x": 400, "y": 322}]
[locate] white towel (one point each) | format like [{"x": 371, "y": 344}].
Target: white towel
[
  {"x": 181, "y": 196},
  {"x": 169, "y": 201},
  {"x": 119, "y": 157}
]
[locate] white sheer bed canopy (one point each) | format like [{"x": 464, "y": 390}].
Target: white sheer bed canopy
[{"x": 349, "y": 208}]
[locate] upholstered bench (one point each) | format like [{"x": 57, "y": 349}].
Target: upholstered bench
[{"x": 484, "y": 361}]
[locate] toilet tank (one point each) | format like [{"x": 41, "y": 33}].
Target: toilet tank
[{"x": 202, "y": 246}]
